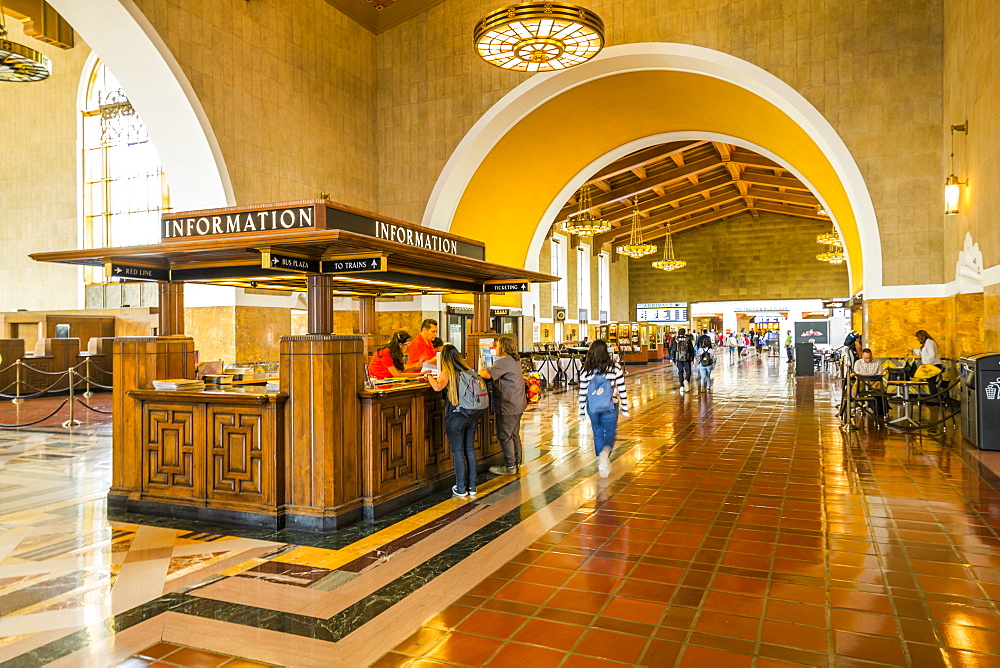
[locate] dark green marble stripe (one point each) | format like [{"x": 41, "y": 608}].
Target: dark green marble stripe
[{"x": 339, "y": 625}]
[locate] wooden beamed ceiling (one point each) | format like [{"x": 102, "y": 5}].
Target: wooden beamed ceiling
[{"x": 687, "y": 184}]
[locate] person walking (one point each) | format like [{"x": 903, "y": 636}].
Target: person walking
[
  {"x": 705, "y": 362},
  {"x": 788, "y": 346},
  {"x": 465, "y": 401},
  {"x": 508, "y": 384},
  {"x": 602, "y": 396},
  {"x": 681, "y": 353}
]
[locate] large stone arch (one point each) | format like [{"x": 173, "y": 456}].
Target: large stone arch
[
  {"x": 538, "y": 144},
  {"x": 128, "y": 44}
]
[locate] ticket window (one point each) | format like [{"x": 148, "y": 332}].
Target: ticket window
[
  {"x": 459, "y": 327},
  {"x": 505, "y": 324}
]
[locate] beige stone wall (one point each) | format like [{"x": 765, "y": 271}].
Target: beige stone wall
[
  {"x": 289, "y": 89},
  {"x": 237, "y": 333},
  {"x": 770, "y": 258},
  {"x": 872, "y": 68},
  {"x": 38, "y": 185},
  {"x": 956, "y": 323}
]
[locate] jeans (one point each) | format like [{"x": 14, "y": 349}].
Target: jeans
[
  {"x": 788, "y": 351},
  {"x": 705, "y": 376},
  {"x": 605, "y": 425},
  {"x": 509, "y": 435},
  {"x": 461, "y": 431},
  {"x": 683, "y": 371}
]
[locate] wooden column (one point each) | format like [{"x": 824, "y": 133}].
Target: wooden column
[
  {"x": 322, "y": 376},
  {"x": 366, "y": 323},
  {"x": 319, "y": 297},
  {"x": 481, "y": 312},
  {"x": 171, "y": 309}
]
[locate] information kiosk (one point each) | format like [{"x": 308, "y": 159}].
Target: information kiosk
[{"x": 325, "y": 449}]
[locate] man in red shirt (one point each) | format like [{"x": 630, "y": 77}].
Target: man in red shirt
[{"x": 422, "y": 348}]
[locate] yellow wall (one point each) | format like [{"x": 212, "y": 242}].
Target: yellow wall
[{"x": 956, "y": 323}]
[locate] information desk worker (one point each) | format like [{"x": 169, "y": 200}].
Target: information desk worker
[
  {"x": 388, "y": 361},
  {"x": 422, "y": 347}
]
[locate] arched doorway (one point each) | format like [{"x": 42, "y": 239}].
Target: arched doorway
[{"x": 520, "y": 163}]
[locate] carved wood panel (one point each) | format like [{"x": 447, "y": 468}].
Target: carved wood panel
[
  {"x": 394, "y": 446},
  {"x": 236, "y": 453},
  {"x": 436, "y": 447},
  {"x": 173, "y": 450}
]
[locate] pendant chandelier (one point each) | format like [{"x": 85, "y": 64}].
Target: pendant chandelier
[
  {"x": 585, "y": 223},
  {"x": 20, "y": 63},
  {"x": 539, "y": 36},
  {"x": 836, "y": 253},
  {"x": 669, "y": 262},
  {"x": 635, "y": 248}
]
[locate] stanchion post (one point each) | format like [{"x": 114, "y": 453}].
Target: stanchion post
[
  {"x": 72, "y": 421},
  {"x": 17, "y": 382},
  {"x": 86, "y": 367}
]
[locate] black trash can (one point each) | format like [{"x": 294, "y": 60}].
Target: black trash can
[
  {"x": 980, "y": 389},
  {"x": 805, "y": 363}
]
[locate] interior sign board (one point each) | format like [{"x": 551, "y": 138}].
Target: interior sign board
[
  {"x": 518, "y": 286},
  {"x": 354, "y": 265},
  {"x": 402, "y": 234},
  {"x": 238, "y": 222},
  {"x": 130, "y": 272},
  {"x": 280, "y": 262}
]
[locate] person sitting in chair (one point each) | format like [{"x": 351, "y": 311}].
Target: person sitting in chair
[
  {"x": 866, "y": 366},
  {"x": 869, "y": 373}
]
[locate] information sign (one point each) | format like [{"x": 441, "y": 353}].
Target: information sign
[
  {"x": 133, "y": 273},
  {"x": 354, "y": 265},
  {"x": 662, "y": 312}
]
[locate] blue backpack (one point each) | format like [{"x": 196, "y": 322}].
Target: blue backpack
[{"x": 600, "y": 395}]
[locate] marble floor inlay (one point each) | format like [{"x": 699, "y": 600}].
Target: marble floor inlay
[{"x": 740, "y": 527}]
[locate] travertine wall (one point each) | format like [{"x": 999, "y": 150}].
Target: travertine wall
[
  {"x": 38, "y": 182},
  {"x": 742, "y": 258},
  {"x": 237, "y": 333},
  {"x": 972, "y": 92},
  {"x": 289, "y": 89},
  {"x": 956, "y": 323},
  {"x": 873, "y": 68}
]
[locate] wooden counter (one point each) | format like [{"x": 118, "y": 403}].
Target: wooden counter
[
  {"x": 216, "y": 455},
  {"x": 405, "y": 451}
]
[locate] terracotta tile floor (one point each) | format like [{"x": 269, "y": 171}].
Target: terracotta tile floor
[
  {"x": 164, "y": 654},
  {"x": 764, "y": 539}
]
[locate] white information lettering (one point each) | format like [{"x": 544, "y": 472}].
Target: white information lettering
[{"x": 239, "y": 222}]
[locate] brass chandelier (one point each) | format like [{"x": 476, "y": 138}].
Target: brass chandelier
[
  {"x": 539, "y": 36},
  {"x": 836, "y": 253},
  {"x": 20, "y": 63},
  {"x": 635, "y": 248},
  {"x": 585, "y": 223},
  {"x": 669, "y": 262}
]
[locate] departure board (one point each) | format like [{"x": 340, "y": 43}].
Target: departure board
[{"x": 662, "y": 312}]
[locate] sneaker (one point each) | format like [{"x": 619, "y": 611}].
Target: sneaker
[
  {"x": 455, "y": 492},
  {"x": 682, "y": 388},
  {"x": 503, "y": 470},
  {"x": 472, "y": 492},
  {"x": 604, "y": 464}
]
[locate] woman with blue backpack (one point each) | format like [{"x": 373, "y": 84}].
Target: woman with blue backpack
[
  {"x": 705, "y": 362},
  {"x": 602, "y": 395},
  {"x": 465, "y": 401}
]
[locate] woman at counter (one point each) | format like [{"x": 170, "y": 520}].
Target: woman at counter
[
  {"x": 389, "y": 360},
  {"x": 508, "y": 379},
  {"x": 459, "y": 423}
]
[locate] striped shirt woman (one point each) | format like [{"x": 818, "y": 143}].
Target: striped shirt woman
[{"x": 602, "y": 395}]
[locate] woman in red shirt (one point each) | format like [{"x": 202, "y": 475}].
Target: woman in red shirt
[{"x": 388, "y": 360}]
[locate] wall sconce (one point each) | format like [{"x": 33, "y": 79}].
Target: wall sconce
[{"x": 952, "y": 185}]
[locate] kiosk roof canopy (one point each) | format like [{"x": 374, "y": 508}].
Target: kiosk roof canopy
[{"x": 277, "y": 246}]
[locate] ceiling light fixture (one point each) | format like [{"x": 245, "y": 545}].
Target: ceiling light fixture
[
  {"x": 539, "y": 36},
  {"x": 952, "y": 185},
  {"x": 669, "y": 262},
  {"x": 20, "y": 63},
  {"x": 635, "y": 248},
  {"x": 833, "y": 257},
  {"x": 585, "y": 223}
]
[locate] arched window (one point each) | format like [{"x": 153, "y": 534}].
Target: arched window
[{"x": 124, "y": 189}]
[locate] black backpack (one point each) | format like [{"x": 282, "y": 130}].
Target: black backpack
[
  {"x": 706, "y": 358},
  {"x": 682, "y": 353}
]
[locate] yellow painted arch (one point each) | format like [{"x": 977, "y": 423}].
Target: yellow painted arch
[{"x": 507, "y": 197}]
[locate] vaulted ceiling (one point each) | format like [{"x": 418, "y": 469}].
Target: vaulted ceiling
[{"x": 687, "y": 184}]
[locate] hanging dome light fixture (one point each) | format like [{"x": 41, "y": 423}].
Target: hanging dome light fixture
[
  {"x": 669, "y": 262},
  {"x": 635, "y": 248},
  {"x": 539, "y": 36},
  {"x": 585, "y": 223},
  {"x": 20, "y": 63}
]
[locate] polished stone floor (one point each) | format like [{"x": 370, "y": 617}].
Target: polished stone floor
[{"x": 740, "y": 527}]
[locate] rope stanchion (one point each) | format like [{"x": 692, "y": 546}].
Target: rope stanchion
[
  {"x": 86, "y": 363},
  {"x": 44, "y": 373},
  {"x": 34, "y": 422},
  {"x": 91, "y": 408},
  {"x": 72, "y": 421},
  {"x": 17, "y": 382}
]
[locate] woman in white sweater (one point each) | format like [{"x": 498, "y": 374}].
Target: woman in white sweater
[{"x": 602, "y": 395}]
